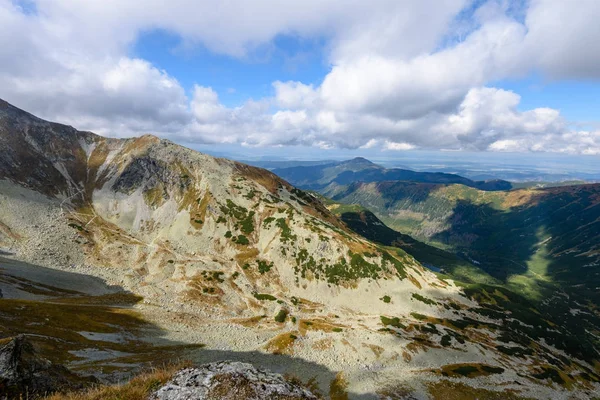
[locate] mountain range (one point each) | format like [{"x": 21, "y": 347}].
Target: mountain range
[
  {"x": 119, "y": 252},
  {"x": 326, "y": 177}
]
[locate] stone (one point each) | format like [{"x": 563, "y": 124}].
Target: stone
[{"x": 229, "y": 380}]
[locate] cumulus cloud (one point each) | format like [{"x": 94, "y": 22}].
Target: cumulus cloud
[{"x": 404, "y": 74}]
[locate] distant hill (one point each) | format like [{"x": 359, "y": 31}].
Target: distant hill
[
  {"x": 276, "y": 164},
  {"x": 318, "y": 177}
]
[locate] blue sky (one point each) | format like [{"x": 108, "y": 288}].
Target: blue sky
[
  {"x": 330, "y": 77},
  {"x": 235, "y": 79},
  {"x": 291, "y": 58}
]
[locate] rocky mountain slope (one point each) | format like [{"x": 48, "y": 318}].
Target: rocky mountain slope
[
  {"x": 233, "y": 258},
  {"x": 328, "y": 177},
  {"x": 550, "y": 234}
]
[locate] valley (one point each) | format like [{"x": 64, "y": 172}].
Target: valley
[{"x": 127, "y": 252}]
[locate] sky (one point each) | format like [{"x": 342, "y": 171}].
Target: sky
[{"x": 313, "y": 77}]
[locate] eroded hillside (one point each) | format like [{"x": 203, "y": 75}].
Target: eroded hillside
[{"x": 232, "y": 257}]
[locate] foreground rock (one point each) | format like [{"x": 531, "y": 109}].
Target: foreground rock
[
  {"x": 23, "y": 374},
  {"x": 229, "y": 380}
]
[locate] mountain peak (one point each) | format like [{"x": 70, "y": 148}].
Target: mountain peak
[{"x": 359, "y": 160}]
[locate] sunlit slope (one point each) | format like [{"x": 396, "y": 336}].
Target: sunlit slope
[
  {"x": 551, "y": 235},
  {"x": 575, "y": 320}
]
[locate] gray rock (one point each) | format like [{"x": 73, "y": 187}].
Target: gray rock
[
  {"x": 229, "y": 380},
  {"x": 23, "y": 374}
]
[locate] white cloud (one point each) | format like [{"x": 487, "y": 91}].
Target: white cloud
[
  {"x": 294, "y": 94},
  {"x": 562, "y": 38},
  {"x": 404, "y": 74},
  {"x": 397, "y": 146}
]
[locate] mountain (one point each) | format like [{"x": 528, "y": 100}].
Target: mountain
[
  {"x": 325, "y": 177},
  {"x": 366, "y": 224},
  {"x": 547, "y": 232},
  {"x": 117, "y": 252}
]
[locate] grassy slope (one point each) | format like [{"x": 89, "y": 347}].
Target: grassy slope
[
  {"x": 535, "y": 239},
  {"x": 497, "y": 299},
  {"x": 139, "y": 388}
]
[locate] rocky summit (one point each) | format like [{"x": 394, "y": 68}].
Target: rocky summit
[
  {"x": 116, "y": 253},
  {"x": 230, "y": 381},
  {"x": 23, "y": 372}
]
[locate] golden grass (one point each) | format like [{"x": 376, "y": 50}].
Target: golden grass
[
  {"x": 446, "y": 390},
  {"x": 54, "y": 328},
  {"x": 338, "y": 387},
  {"x": 283, "y": 343},
  {"x": 318, "y": 324},
  {"x": 107, "y": 300},
  {"x": 414, "y": 281},
  {"x": 139, "y": 388},
  {"x": 266, "y": 179}
]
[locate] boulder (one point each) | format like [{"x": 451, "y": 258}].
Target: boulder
[
  {"x": 24, "y": 374},
  {"x": 229, "y": 380}
]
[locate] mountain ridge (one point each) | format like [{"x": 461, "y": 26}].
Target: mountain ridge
[
  {"x": 220, "y": 255},
  {"x": 359, "y": 169}
]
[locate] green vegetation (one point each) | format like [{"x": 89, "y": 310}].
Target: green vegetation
[
  {"x": 267, "y": 221},
  {"x": 465, "y": 370},
  {"x": 218, "y": 276},
  {"x": 281, "y": 316},
  {"x": 386, "y": 299},
  {"x": 492, "y": 370},
  {"x": 244, "y": 218},
  {"x": 446, "y": 340},
  {"x": 395, "y": 322},
  {"x": 250, "y": 195},
  {"x": 418, "y": 316},
  {"x": 264, "y": 296},
  {"x": 76, "y": 226},
  {"x": 337, "y": 330},
  {"x": 286, "y": 232},
  {"x": 550, "y": 373},
  {"x": 241, "y": 239},
  {"x": 358, "y": 267},
  {"x": 264, "y": 267},
  {"x": 523, "y": 283},
  {"x": 423, "y": 299}
]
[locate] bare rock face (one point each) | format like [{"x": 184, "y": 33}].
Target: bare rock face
[
  {"x": 230, "y": 380},
  {"x": 25, "y": 374}
]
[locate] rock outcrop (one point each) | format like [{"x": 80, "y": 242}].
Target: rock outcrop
[
  {"x": 229, "y": 380},
  {"x": 23, "y": 374}
]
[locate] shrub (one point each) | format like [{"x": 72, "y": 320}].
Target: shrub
[
  {"x": 264, "y": 296},
  {"x": 281, "y": 316},
  {"x": 423, "y": 299},
  {"x": 395, "y": 322},
  {"x": 243, "y": 240}
]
